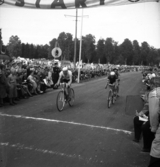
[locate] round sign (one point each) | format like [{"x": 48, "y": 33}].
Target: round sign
[{"x": 56, "y": 52}]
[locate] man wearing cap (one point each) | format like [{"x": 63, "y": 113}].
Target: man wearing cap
[
  {"x": 65, "y": 76},
  {"x": 55, "y": 74}
]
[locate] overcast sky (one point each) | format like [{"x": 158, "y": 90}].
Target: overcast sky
[{"x": 139, "y": 22}]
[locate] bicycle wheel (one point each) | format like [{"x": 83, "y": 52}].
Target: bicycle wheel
[
  {"x": 115, "y": 95},
  {"x": 113, "y": 99},
  {"x": 109, "y": 99},
  {"x": 71, "y": 97},
  {"x": 60, "y": 101},
  {"x": 117, "y": 90}
]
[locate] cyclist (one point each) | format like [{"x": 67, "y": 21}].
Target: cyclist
[
  {"x": 116, "y": 72},
  {"x": 118, "y": 79},
  {"x": 112, "y": 79},
  {"x": 65, "y": 76}
]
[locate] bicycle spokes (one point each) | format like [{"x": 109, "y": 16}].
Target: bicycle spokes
[
  {"x": 71, "y": 97},
  {"x": 109, "y": 99},
  {"x": 60, "y": 101}
]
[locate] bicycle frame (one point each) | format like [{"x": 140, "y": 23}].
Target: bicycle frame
[
  {"x": 111, "y": 95},
  {"x": 65, "y": 100},
  {"x": 112, "y": 88}
]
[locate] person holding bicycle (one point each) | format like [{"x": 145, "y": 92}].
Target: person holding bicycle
[{"x": 65, "y": 76}]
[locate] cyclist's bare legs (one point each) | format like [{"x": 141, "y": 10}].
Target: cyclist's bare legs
[{"x": 67, "y": 91}]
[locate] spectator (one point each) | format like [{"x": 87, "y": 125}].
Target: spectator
[
  {"x": 33, "y": 83},
  {"x": 12, "y": 87},
  {"x": 42, "y": 76},
  {"x": 143, "y": 128},
  {"x": 55, "y": 74},
  {"x": 3, "y": 85},
  {"x": 154, "y": 108}
]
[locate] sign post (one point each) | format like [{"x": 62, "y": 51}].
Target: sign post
[{"x": 56, "y": 52}]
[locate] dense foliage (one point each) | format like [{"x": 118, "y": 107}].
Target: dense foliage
[{"x": 103, "y": 51}]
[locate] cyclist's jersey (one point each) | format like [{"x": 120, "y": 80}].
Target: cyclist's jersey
[
  {"x": 112, "y": 79},
  {"x": 65, "y": 78}
]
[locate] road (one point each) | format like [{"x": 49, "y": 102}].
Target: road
[{"x": 34, "y": 134}]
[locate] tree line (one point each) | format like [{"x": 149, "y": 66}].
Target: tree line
[{"x": 104, "y": 51}]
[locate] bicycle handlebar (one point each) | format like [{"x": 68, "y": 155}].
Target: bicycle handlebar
[
  {"x": 111, "y": 84},
  {"x": 62, "y": 83}
]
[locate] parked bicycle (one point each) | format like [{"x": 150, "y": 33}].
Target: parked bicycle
[
  {"x": 112, "y": 95},
  {"x": 62, "y": 98}
]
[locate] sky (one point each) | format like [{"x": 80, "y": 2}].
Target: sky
[{"x": 139, "y": 22}]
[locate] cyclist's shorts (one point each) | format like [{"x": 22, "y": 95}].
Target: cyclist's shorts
[{"x": 64, "y": 80}]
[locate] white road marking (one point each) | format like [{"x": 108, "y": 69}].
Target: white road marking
[
  {"x": 66, "y": 122},
  {"x": 23, "y": 147}
]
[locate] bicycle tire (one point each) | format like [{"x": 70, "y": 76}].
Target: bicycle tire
[
  {"x": 72, "y": 97},
  {"x": 109, "y": 99},
  {"x": 60, "y": 99},
  {"x": 117, "y": 91},
  {"x": 113, "y": 99}
]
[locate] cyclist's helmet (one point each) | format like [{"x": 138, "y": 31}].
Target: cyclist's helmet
[
  {"x": 112, "y": 73},
  {"x": 65, "y": 69}
]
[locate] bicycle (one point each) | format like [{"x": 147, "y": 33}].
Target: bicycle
[
  {"x": 62, "y": 97},
  {"x": 112, "y": 95}
]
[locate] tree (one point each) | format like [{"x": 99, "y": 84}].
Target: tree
[
  {"x": 89, "y": 42},
  {"x": 153, "y": 58},
  {"x": 44, "y": 50},
  {"x": 27, "y": 50},
  {"x": 62, "y": 43},
  {"x": 145, "y": 49},
  {"x": 83, "y": 53},
  {"x": 126, "y": 50},
  {"x": 116, "y": 57},
  {"x": 100, "y": 51},
  {"x": 51, "y": 46},
  {"x": 136, "y": 52},
  {"x": 109, "y": 50},
  {"x": 69, "y": 51},
  {"x": 14, "y": 46},
  {"x": 23, "y": 50}
]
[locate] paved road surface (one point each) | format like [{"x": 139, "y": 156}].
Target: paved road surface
[{"x": 34, "y": 134}]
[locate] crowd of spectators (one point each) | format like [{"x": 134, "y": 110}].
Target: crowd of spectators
[
  {"x": 22, "y": 82},
  {"x": 147, "y": 121},
  {"x": 23, "y": 78}
]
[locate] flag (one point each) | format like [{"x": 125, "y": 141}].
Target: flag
[{"x": 68, "y": 4}]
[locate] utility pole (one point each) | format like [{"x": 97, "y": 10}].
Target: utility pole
[
  {"x": 75, "y": 39},
  {"x": 80, "y": 49}
]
